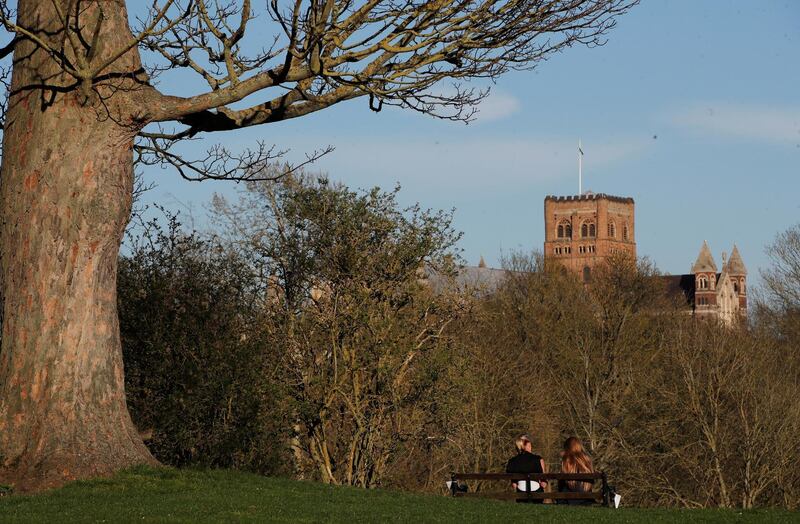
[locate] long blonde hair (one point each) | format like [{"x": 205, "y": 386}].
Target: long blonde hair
[{"x": 575, "y": 460}]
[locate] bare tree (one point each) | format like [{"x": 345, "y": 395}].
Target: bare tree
[
  {"x": 714, "y": 422},
  {"x": 783, "y": 278},
  {"x": 778, "y": 301},
  {"x": 81, "y": 101}
]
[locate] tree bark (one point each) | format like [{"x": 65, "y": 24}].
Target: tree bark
[{"x": 65, "y": 197}]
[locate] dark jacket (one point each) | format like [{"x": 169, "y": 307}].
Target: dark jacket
[{"x": 525, "y": 462}]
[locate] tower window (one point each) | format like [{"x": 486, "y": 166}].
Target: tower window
[
  {"x": 612, "y": 230},
  {"x": 564, "y": 229},
  {"x": 702, "y": 283},
  {"x": 588, "y": 230},
  {"x": 735, "y": 287},
  {"x": 625, "y": 232}
]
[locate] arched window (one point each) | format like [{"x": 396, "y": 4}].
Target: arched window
[
  {"x": 702, "y": 283},
  {"x": 625, "y": 232},
  {"x": 584, "y": 230},
  {"x": 742, "y": 286},
  {"x": 735, "y": 287},
  {"x": 713, "y": 281},
  {"x": 587, "y": 274},
  {"x": 612, "y": 230},
  {"x": 592, "y": 231},
  {"x": 564, "y": 229}
]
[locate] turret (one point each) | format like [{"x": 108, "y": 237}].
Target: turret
[
  {"x": 738, "y": 274},
  {"x": 705, "y": 279}
]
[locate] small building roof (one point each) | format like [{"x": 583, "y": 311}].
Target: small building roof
[
  {"x": 705, "y": 261},
  {"x": 679, "y": 285},
  {"x": 483, "y": 279}
]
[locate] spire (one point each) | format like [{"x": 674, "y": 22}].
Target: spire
[
  {"x": 735, "y": 264},
  {"x": 705, "y": 261},
  {"x": 482, "y": 262}
]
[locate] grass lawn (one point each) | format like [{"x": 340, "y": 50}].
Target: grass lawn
[{"x": 168, "y": 495}]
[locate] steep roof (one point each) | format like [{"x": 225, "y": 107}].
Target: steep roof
[
  {"x": 705, "y": 261},
  {"x": 483, "y": 279},
  {"x": 735, "y": 264}
]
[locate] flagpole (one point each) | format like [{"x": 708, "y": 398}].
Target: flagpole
[{"x": 580, "y": 169}]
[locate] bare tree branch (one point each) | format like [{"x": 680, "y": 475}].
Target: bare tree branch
[
  {"x": 218, "y": 163},
  {"x": 298, "y": 57}
]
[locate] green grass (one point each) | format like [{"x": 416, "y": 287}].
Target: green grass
[{"x": 168, "y": 495}]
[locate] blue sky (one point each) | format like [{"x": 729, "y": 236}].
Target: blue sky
[{"x": 692, "y": 108}]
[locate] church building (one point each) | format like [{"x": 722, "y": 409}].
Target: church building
[
  {"x": 712, "y": 293},
  {"x": 582, "y": 231}
]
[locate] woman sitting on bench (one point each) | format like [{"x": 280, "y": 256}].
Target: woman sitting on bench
[
  {"x": 526, "y": 462},
  {"x": 575, "y": 460}
]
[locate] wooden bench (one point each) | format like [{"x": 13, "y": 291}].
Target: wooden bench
[{"x": 603, "y": 496}]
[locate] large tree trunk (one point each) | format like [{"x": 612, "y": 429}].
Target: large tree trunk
[{"x": 65, "y": 197}]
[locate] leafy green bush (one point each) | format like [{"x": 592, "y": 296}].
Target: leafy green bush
[{"x": 198, "y": 369}]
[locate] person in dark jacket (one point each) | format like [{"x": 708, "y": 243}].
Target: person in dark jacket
[{"x": 525, "y": 461}]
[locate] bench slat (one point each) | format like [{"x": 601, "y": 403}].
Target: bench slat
[
  {"x": 596, "y": 495},
  {"x": 524, "y": 476}
]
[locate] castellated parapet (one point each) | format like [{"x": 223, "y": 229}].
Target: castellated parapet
[{"x": 589, "y": 196}]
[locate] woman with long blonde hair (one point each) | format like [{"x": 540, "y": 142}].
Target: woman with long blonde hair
[{"x": 575, "y": 460}]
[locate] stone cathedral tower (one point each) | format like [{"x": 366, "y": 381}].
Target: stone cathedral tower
[{"x": 583, "y": 230}]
